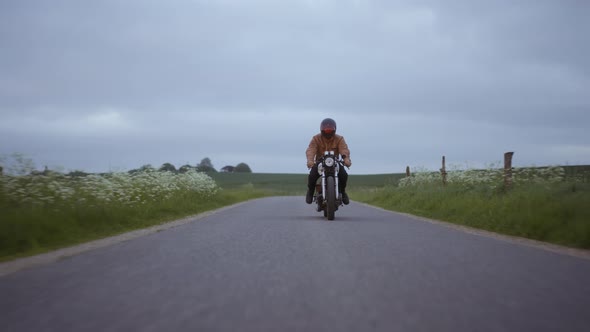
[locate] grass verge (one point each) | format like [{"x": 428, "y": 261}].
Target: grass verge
[
  {"x": 29, "y": 231},
  {"x": 556, "y": 213}
]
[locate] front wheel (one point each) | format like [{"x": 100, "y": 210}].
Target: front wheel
[{"x": 330, "y": 198}]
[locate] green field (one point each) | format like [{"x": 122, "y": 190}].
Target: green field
[
  {"x": 295, "y": 184},
  {"x": 274, "y": 184}
]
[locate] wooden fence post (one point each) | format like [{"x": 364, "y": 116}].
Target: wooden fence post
[
  {"x": 407, "y": 171},
  {"x": 443, "y": 172},
  {"x": 508, "y": 169}
]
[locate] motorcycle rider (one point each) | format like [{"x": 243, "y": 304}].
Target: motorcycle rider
[{"x": 326, "y": 140}]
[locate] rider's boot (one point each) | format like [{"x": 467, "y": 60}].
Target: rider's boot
[
  {"x": 345, "y": 198},
  {"x": 309, "y": 196}
]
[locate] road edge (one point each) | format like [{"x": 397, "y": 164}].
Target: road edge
[
  {"x": 551, "y": 247},
  {"x": 28, "y": 262}
]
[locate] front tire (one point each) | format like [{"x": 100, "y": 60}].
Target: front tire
[{"x": 330, "y": 198}]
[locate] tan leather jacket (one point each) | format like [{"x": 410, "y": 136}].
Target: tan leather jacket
[{"x": 320, "y": 144}]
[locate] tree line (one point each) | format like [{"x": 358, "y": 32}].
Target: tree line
[
  {"x": 204, "y": 166},
  {"x": 19, "y": 164}
]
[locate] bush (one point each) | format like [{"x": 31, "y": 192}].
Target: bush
[{"x": 242, "y": 168}]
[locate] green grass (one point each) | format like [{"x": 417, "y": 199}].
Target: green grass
[
  {"x": 555, "y": 212},
  {"x": 29, "y": 231},
  {"x": 39, "y": 213}
]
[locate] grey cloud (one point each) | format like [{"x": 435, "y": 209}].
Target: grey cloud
[{"x": 518, "y": 66}]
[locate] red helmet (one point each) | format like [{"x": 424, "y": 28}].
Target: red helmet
[{"x": 328, "y": 127}]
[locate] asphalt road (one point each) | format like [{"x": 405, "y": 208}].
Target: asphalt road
[{"x": 276, "y": 265}]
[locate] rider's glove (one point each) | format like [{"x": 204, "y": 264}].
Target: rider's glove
[
  {"x": 310, "y": 163},
  {"x": 347, "y": 162}
]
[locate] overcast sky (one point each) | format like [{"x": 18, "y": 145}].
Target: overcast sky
[{"x": 113, "y": 85}]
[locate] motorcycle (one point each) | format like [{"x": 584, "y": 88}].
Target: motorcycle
[{"x": 327, "y": 197}]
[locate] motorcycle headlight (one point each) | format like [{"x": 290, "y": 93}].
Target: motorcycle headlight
[{"x": 329, "y": 162}]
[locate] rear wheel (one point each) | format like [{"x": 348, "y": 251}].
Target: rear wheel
[{"x": 330, "y": 198}]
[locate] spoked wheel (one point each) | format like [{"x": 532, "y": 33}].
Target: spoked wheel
[{"x": 330, "y": 198}]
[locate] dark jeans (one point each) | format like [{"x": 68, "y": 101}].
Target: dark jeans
[{"x": 313, "y": 177}]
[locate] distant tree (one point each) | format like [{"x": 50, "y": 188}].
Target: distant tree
[
  {"x": 144, "y": 168},
  {"x": 147, "y": 167},
  {"x": 167, "y": 167},
  {"x": 206, "y": 166},
  {"x": 77, "y": 173},
  {"x": 242, "y": 168},
  {"x": 228, "y": 169},
  {"x": 185, "y": 168}
]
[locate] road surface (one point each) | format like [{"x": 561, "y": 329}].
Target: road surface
[{"x": 274, "y": 264}]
